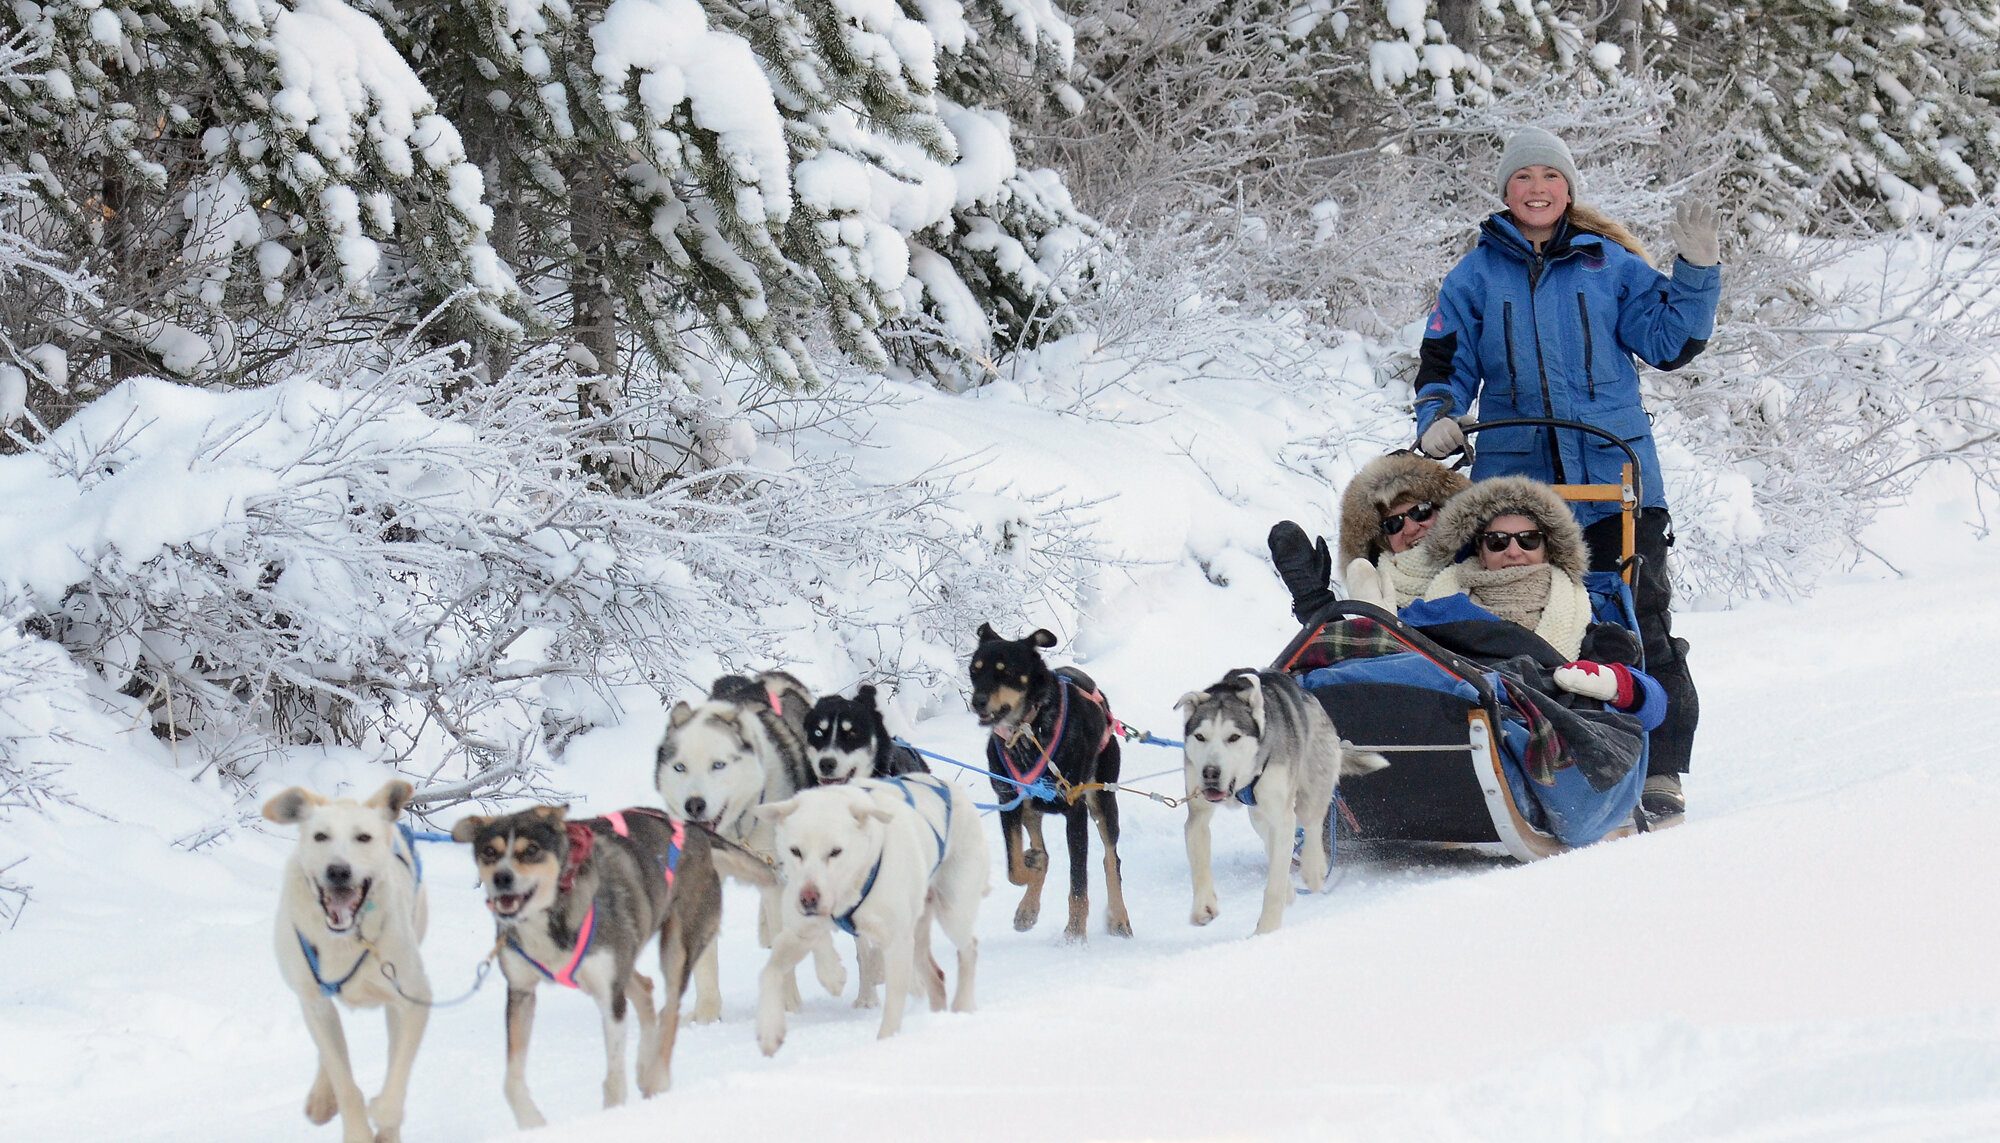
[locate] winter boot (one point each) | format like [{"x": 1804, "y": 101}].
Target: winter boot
[
  {"x": 1306, "y": 568},
  {"x": 1661, "y": 800}
]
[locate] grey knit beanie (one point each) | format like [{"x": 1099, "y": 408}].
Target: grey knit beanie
[{"x": 1531, "y": 146}]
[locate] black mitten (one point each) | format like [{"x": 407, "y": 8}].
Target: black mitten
[
  {"x": 1610, "y": 643},
  {"x": 1306, "y": 567}
]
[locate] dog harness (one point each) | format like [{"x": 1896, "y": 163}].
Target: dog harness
[
  {"x": 329, "y": 988},
  {"x": 845, "y": 922},
  {"x": 1001, "y": 747},
  {"x": 582, "y": 837}
]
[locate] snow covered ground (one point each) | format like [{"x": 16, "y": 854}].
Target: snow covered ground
[{"x": 1808, "y": 957}]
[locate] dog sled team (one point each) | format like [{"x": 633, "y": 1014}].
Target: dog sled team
[{"x": 1541, "y": 630}]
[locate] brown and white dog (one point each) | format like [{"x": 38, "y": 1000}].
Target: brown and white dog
[
  {"x": 574, "y": 902},
  {"x": 350, "y": 919}
]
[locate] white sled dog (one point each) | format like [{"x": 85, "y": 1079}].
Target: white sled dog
[
  {"x": 744, "y": 746},
  {"x": 1256, "y": 738},
  {"x": 350, "y": 919},
  {"x": 879, "y": 858}
]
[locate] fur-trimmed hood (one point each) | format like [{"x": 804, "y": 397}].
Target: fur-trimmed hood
[
  {"x": 1469, "y": 511},
  {"x": 1380, "y": 484}
]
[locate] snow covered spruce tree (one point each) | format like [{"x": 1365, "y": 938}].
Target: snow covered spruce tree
[
  {"x": 723, "y": 182},
  {"x": 249, "y": 178}
]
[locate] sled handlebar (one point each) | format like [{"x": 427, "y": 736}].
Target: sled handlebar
[{"x": 1638, "y": 485}]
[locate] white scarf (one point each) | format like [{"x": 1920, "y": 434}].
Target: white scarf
[
  {"x": 1564, "y": 615},
  {"x": 1407, "y": 573}
]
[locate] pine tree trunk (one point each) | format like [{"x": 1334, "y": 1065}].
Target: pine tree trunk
[
  {"x": 1461, "y": 23},
  {"x": 594, "y": 311},
  {"x": 1627, "y": 21}
]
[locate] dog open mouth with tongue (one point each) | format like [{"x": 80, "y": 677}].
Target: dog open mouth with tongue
[
  {"x": 510, "y": 904},
  {"x": 342, "y": 904}
]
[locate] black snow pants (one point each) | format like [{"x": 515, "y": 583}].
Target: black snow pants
[{"x": 1666, "y": 657}]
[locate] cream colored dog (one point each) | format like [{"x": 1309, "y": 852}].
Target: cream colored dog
[
  {"x": 878, "y": 858},
  {"x": 350, "y": 920}
]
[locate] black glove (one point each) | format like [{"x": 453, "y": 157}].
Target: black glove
[
  {"x": 1610, "y": 643},
  {"x": 1305, "y": 566}
]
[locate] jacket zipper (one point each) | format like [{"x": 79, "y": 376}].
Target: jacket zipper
[
  {"x": 1583, "y": 311},
  {"x": 1513, "y": 374},
  {"x": 1542, "y": 367}
]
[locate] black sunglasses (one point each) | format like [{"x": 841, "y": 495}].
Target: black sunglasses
[
  {"x": 1496, "y": 542},
  {"x": 1394, "y": 524}
]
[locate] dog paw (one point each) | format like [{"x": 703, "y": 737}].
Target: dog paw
[
  {"x": 1204, "y": 912},
  {"x": 1025, "y": 917},
  {"x": 833, "y": 978},
  {"x": 1118, "y": 926},
  {"x": 1269, "y": 925},
  {"x": 1036, "y": 860},
  {"x": 770, "y": 1040},
  {"x": 866, "y": 999},
  {"x": 654, "y": 1081},
  {"x": 389, "y": 1135},
  {"x": 321, "y": 1106}
]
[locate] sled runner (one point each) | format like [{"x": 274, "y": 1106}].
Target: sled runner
[{"x": 1480, "y": 757}]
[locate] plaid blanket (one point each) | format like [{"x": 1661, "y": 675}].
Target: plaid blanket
[{"x": 1345, "y": 639}]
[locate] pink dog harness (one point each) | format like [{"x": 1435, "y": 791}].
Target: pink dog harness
[{"x": 587, "y": 931}]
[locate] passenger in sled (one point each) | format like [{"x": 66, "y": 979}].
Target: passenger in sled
[
  {"x": 1388, "y": 508},
  {"x": 1510, "y": 595}
]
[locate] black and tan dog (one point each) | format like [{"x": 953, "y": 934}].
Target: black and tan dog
[
  {"x": 574, "y": 902},
  {"x": 1051, "y": 725}
]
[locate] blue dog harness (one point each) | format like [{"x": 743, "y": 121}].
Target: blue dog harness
[{"x": 845, "y": 921}]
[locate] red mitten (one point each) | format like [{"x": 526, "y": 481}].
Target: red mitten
[{"x": 1605, "y": 682}]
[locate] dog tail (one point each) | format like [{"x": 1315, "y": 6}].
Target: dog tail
[
  {"x": 740, "y": 864},
  {"x": 1355, "y": 761}
]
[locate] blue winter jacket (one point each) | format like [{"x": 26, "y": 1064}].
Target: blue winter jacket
[{"x": 1553, "y": 335}]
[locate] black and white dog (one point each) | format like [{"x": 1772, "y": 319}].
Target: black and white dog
[
  {"x": 1054, "y": 725},
  {"x": 1257, "y": 739},
  {"x": 846, "y": 738}
]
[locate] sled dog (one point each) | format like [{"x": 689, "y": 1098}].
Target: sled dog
[
  {"x": 574, "y": 902},
  {"x": 1257, "y": 739},
  {"x": 879, "y": 858},
  {"x": 350, "y": 918},
  {"x": 846, "y": 738},
  {"x": 742, "y": 747},
  {"x": 1053, "y": 726}
]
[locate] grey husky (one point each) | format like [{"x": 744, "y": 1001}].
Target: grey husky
[
  {"x": 574, "y": 902},
  {"x": 742, "y": 747},
  {"x": 1257, "y": 739}
]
